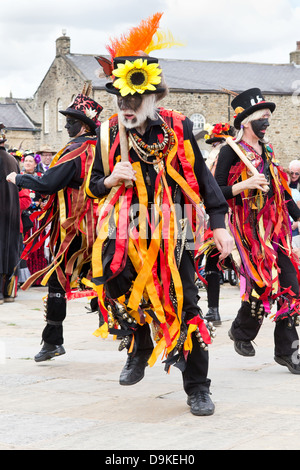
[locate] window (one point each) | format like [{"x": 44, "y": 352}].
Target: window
[
  {"x": 46, "y": 118},
  {"x": 60, "y": 116},
  {"x": 198, "y": 120}
]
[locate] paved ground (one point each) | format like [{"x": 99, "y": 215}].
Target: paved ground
[{"x": 76, "y": 403}]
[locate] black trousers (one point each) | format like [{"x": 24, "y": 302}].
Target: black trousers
[
  {"x": 195, "y": 374},
  {"x": 56, "y": 312},
  {"x": 212, "y": 276},
  {"x": 57, "y": 303},
  {"x": 245, "y": 327}
]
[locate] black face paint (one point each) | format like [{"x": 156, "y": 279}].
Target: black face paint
[
  {"x": 259, "y": 126},
  {"x": 73, "y": 126}
]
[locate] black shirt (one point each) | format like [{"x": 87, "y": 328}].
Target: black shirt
[
  {"x": 59, "y": 176},
  {"x": 228, "y": 158}
]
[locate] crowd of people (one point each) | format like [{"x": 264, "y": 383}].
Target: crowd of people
[
  {"x": 31, "y": 203},
  {"x": 129, "y": 209}
]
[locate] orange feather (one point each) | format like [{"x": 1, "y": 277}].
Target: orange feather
[{"x": 136, "y": 40}]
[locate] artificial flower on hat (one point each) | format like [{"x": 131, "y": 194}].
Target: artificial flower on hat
[
  {"x": 136, "y": 77},
  {"x": 218, "y": 132}
]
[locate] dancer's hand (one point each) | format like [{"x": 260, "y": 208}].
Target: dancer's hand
[
  {"x": 122, "y": 171},
  {"x": 257, "y": 182},
  {"x": 11, "y": 178},
  {"x": 254, "y": 182}
]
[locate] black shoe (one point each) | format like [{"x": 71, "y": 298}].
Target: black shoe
[
  {"x": 244, "y": 348},
  {"x": 213, "y": 316},
  {"x": 291, "y": 362},
  {"x": 49, "y": 351},
  {"x": 134, "y": 369},
  {"x": 201, "y": 404}
]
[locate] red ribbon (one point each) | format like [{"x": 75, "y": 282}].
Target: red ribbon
[{"x": 202, "y": 328}]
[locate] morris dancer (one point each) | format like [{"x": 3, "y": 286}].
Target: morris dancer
[
  {"x": 259, "y": 220},
  {"x": 71, "y": 215},
  {"x": 143, "y": 265}
]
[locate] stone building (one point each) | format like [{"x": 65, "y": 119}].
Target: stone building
[
  {"x": 21, "y": 130},
  {"x": 198, "y": 89}
]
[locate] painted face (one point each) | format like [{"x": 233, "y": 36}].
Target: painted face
[
  {"x": 73, "y": 126},
  {"x": 260, "y": 126}
]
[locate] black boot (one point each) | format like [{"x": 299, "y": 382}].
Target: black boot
[
  {"x": 134, "y": 369},
  {"x": 244, "y": 348},
  {"x": 201, "y": 404},
  {"x": 213, "y": 316},
  {"x": 49, "y": 351},
  {"x": 7, "y": 290}
]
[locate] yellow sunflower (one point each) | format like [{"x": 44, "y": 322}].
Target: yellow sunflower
[{"x": 136, "y": 77}]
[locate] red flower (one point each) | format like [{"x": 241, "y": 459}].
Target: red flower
[
  {"x": 217, "y": 129},
  {"x": 220, "y": 128}
]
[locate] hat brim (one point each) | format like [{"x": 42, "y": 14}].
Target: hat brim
[
  {"x": 81, "y": 117},
  {"x": 247, "y": 112},
  {"x": 115, "y": 91}
]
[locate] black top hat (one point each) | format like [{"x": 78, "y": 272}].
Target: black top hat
[
  {"x": 136, "y": 78},
  {"x": 247, "y": 103},
  {"x": 84, "y": 109}
]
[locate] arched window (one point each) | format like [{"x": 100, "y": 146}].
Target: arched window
[
  {"x": 46, "y": 118},
  {"x": 199, "y": 121},
  {"x": 59, "y": 116}
]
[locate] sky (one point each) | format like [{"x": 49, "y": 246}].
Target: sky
[{"x": 233, "y": 30}]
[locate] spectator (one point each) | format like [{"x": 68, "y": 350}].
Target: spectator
[
  {"x": 36, "y": 260},
  {"x": 294, "y": 168},
  {"x": 30, "y": 165},
  {"x": 25, "y": 225},
  {"x": 46, "y": 155},
  {"x": 294, "y": 224},
  {"x": 9, "y": 223}
]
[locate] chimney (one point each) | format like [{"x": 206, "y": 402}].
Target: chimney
[
  {"x": 63, "y": 44},
  {"x": 295, "y": 56}
]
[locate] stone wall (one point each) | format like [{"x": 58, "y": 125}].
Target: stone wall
[
  {"x": 59, "y": 83},
  {"x": 24, "y": 139}
]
